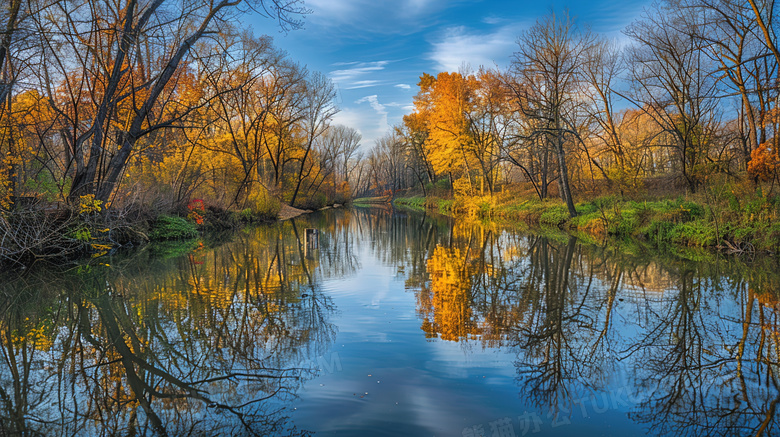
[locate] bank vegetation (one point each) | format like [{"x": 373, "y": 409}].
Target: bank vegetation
[{"x": 121, "y": 117}]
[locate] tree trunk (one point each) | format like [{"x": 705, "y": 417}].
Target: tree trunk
[{"x": 564, "y": 177}]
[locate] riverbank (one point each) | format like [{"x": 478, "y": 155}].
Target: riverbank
[
  {"x": 62, "y": 233},
  {"x": 731, "y": 221}
]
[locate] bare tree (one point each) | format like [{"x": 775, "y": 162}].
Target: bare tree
[
  {"x": 547, "y": 64},
  {"x": 387, "y": 165},
  {"x": 672, "y": 82},
  {"x": 319, "y": 109},
  {"x": 602, "y": 71},
  {"x": 732, "y": 36}
]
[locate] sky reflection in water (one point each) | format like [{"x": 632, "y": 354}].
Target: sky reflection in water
[{"x": 393, "y": 323}]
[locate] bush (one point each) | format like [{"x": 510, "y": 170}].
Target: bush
[
  {"x": 263, "y": 205},
  {"x": 658, "y": 231},
  {"x": 315, "y": 201},
  {"x": 168, "y": 227},
  {"x": 691, "y": 211},
  {"x": 443, "y": 184},
  {"x": 554, "y": 216},
  {"x": 693, "y": 234}
]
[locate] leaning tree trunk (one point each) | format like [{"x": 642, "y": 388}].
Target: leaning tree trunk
[{"x": 564, "y": 179}]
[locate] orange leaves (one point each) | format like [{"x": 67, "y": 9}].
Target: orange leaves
[
  {"x": 440, "y": 108},
  {"x": 451, "y": 292},
  {"x": 764, "y": 162}
]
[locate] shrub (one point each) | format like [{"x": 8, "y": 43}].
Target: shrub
[
  {"x": 168, "y": 227},
  {"x": 263, "y": 204},
  {"x": 554, "y": 216},
  {"x": 658, "y": 231},
  {"x": 691, "y": 211}
]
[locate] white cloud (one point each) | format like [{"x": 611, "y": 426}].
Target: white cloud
[
  {"x": 359, "y": 69},
  {"x": 458, "y": 46},
  {"x": 403, "y": 86},
  {"x": 374, "y": 127},
  {"x": 374, "y": 102},
  {"x": 362, "y": 84}
]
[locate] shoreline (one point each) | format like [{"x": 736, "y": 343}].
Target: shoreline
[{"x": 668, "y": 222}]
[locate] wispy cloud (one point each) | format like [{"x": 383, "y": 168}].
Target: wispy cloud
[
  {"x": 378, "y": 124},
  {"x": 458, "y": 46},
  {"x": 363, "y": 84},
  {"x": 359, "y": 69},
  {"x": 395, "y": 17},
  {"x": 403, "y": 86}
]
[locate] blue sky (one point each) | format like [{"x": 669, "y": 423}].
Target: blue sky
[{"x": 375, "y": 51}]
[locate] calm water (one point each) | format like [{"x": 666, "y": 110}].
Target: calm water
[{"x": 372, "y": 322}]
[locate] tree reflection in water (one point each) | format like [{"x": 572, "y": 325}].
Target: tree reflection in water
[
  {"x": 217, "y": 342},
  {"x": 685, "y": 347},
  {"x": 213, "y": 343}
]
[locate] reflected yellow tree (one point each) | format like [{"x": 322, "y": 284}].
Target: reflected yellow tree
[{"x": 446, "y": 308}]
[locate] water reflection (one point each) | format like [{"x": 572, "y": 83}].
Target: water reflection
[
  {"x": 212, "y": 343},
  {"x": 219, "y": 338},
  {"x": 686, "y": 348}
]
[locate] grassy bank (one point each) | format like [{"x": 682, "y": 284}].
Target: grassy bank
[
  {"x": 367, "y": 201},
  {"x": 733, "y": 219}
]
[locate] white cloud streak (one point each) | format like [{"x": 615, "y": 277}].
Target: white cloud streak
[
  {"x": 458, "y": 46},
  {"x": 376, "y": 17},
  {"x": 374, "y": 126},
  {"x": 359, "y": 69},
  {"x": 363, "y": 84}
]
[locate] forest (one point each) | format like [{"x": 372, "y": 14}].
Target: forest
[
  {"x": 675, "y": 124},
  {"x": 114, "y": 113}
]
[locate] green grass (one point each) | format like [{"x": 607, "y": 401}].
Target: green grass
[
  {"x": 414, "y": 202},
  {"x": 168, "y": 227},
  {"x": 369, "y": 200},
  {"x": 696, "y": 222}
]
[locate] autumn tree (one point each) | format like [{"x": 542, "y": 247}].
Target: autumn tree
[
  {"x": 118, "y": 66},
  {"x": 488, "y": 124},
  {"x": 234, "y": 72},
  {"x": 445, "y": 102},
  {"x": 13, "y": 47},
  {"x": 456, "y": 129},
  {"x": 282, "y": 98}
]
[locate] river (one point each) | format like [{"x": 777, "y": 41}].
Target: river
[{"x": 379, "y": 322}]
